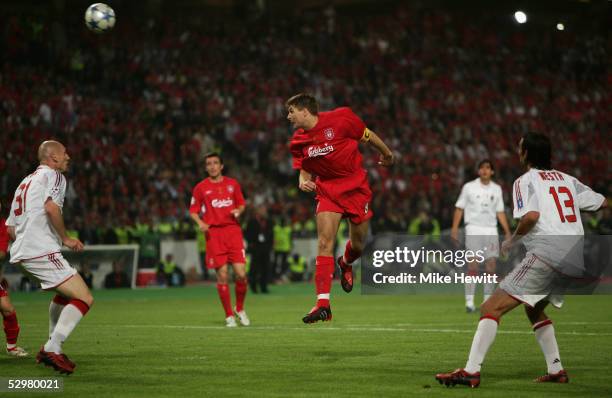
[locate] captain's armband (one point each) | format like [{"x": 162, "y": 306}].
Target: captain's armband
[{"x": 366, "y": 135}]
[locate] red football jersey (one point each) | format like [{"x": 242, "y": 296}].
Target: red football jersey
[
  {"x": 214, "y": 201},
  {"x": 330, "y": 151}
]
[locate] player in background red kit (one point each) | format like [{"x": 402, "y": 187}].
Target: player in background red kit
[
  {"x": 9, "y": 316},
  {"x": 216, "y": 204},
  {"x": 325, "y": 148}
]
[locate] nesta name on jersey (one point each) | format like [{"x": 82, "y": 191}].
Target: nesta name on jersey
[{"x": 550, "y": 175}]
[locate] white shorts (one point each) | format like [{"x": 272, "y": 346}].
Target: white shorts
[
  {"x": 482, "y": 238},
  {"x": 51, "y": 270},
  {"x": 532, "y": 281}
]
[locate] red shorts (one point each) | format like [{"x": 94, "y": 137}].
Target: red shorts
[
  {"x": 224, "y": 245},
  {"x": 354, "y": 204}
]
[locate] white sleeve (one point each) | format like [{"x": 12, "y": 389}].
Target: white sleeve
[
  {"x": 524, "y": 197},
  {"x": 55, "y": 188},
  {"x": 587, "y": 199},
  {"x": 499, "y": 207},
  {"x": 462, "y": 200},
  {"x": 10, "y": 221}
]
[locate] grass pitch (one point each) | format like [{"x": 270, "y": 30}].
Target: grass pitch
[{"x": 172, "y": 342}]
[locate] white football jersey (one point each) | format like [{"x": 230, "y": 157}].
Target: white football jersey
[
  {"x": 35, "y": 236},
  {"x": 557, "y": 237},
  {"x": 480, "y": 203}
]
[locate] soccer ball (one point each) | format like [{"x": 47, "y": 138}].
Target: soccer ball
[{"x": 99, "y": 17}]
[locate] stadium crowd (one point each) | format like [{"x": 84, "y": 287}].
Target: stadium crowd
[{"x": 139, "y": 107}]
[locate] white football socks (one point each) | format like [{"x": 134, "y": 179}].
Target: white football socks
[
  {"x": 55, "y": 310},
  {"x": 470, "y": 289},
  {"x": 483, "y": 338},
  {"x": 68, "y": 319},
  {"x": 545, "y": 334}
]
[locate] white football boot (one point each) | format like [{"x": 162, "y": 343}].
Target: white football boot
[
  {"x": 17, "y": 352},
  {"x": 242, "y": 317},
  {"x": 230, "y": 322}
]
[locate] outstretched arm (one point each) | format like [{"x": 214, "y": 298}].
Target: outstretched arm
[{"x": 386, "y": 155}]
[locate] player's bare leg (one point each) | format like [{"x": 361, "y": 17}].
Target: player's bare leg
[
  {"x": 545, "y": 335},
  {"x": 470, "y": 287},
  {"x": 353, "y": 250},
  {"x": 80, "y": 301},
  {"x": 491, "y": 311},
  {"x": 11, "y": 328},
  {"x": 498, "y": 304},
  {"x": 224, "y": 295},
  {"x": 490, "y": 267},
  {"x": 327, "y": 228},
  {"x": 241, "y": 290}
]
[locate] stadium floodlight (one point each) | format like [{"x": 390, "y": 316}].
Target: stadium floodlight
[
  {"x": 560, "y": 26},
  {"x": 520, "y": 17}
]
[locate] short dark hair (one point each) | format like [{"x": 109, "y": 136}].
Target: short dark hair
[
  {"x": 213, "y": 155},
  {"x": 485, "y": 161},
  {"x": 538, "y": 149},
  {"x": 303, "y": 100}
]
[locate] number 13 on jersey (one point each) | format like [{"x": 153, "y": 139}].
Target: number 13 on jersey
[{"x": 568, "y": 203}]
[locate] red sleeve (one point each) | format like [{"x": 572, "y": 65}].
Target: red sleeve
[
  {"x": 298, "y": 141},
  {"x": 297, "y": 163},
  {"x": 196, "y": 201},
  {"x": 355, "y": 127},
  {"x": 238, "y": 197},
  {"x": 4, "y": 236}
]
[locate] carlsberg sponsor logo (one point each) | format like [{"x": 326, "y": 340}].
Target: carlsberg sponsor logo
[
  {"x": 218, "y": 203},
  {"x": 315, "y": 151}
]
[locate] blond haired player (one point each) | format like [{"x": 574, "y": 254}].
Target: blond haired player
[
  {"x": 548, "y": 204},
  {"x": 36, "y": 226}
]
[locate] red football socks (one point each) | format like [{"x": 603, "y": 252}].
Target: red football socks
[
  {"x": 323, "y": 279},
  {"x": 60, "y": 300},
  {"x": 241, "y": 290},
  {"x": 11, "y": 327},
  {"x": 350, "y": 254},
  {"x": 226, "y": 300}
]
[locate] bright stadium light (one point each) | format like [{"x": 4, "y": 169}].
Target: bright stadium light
[
  {"x": 520, "y": 17},
  {"x": 560, "y": 26}
]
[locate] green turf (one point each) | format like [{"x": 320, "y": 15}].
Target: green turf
[{"x": 171, "y": 342}]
